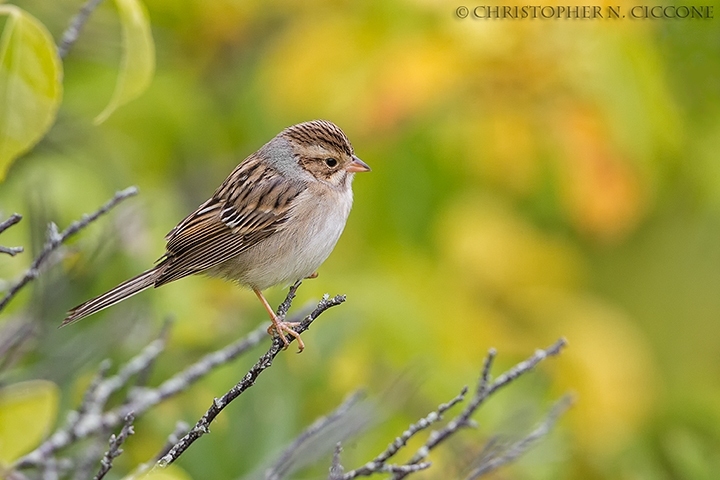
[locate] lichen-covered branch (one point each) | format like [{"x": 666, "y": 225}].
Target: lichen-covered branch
[
  {"x": 181, "y": 428},
  {"x": 263, "y": 363},
  {"x": 379, "y": 464},
  {"x": 485, "y": 388},
  {"x": 55, "y": 239},
  {"x": 115, "y": 451},
  {"x": 93, "y": 417}
]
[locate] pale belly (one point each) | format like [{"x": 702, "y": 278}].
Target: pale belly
[{"x": 294, "y": 252}]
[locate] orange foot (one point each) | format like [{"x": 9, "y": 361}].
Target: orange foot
[
  {"x": 281, "y": 328},
  {"x": 278, "y": 326},
  {"x": 312, "y": 275}
]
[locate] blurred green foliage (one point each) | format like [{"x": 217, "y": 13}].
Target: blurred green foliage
[
  {"x": 30, "y": 83},
  {"x": 531, "y": 179}
]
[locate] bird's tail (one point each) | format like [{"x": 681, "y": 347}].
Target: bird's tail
[{"x": 117, "y": 294}]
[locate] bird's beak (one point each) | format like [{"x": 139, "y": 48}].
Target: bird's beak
[{"x": 357, "y": 165}]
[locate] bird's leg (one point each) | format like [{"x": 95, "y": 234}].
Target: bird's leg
[
  {"x": 280, "y": 326},
  {"x": 312, "y": 275}
]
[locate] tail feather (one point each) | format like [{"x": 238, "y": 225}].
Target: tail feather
[{"x": 121, "y": 292}]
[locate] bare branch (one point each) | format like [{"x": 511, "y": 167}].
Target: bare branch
[
  {"x": 484, "y": 390},
  {"x": 50, "y": 470},
  {"x": 181, "y": 428},
  {"x": 135, "y": 365},
  {"x": 283, "y": 308},
  {"x": 141, "y": 399},
  {"x": 55, "y": 239},
  {"x": 12, "y": 251},
  {"x": 379, "y": 463},
  {"x": 336, "y": 469},
  {"x": 263, "y": 363},
  {"x": 89, "y": 418},
  {"x": 92, "y": 419},
  {"x": 12, "y": 220},
  {"x": 406, "y": 469},
  {"x": 115, "y": 451},
  {"x": 514, "y": 451},
  {"x": 86, "y": 463},
  {"x": 283, "y": 464},
  {"x": 72, "y": 33}
]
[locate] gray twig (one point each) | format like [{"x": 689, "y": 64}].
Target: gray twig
[
  {"x": 115, "y": 451},
  {"x": 50, "y": 470},
  {"x": 181, "y": 428},
  {"x": 264, "y": 362},
  {"x": 72, "y": 33},
  {"x": 86, "y": 462},
  {"x": 336, "y": 468},
  {"x": 12, "y": 220},
  {"x": 55, "y": 239},
  {"x": 379, "y": 463},
  {"x": 484, "y": 390},
  {"x": 92, "y": 419},
  {"x": 282, "y": 465},
  {"x": 12, "y": 251},
  {"x": 511, "y": 453}
]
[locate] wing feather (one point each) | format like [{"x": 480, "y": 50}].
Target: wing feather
[{"x": 253, "y": 203}]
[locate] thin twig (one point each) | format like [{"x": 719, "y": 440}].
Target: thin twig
[
  {"x": 379, "y": 463},
  {"x": 12, "y": 251},
  {"x": 12, "y": 220},
  {"x": 484, "y": 390},
  {"x": 72, "y": 33},
  {"x": 86, "y": 464},
  {"x": 92, "y": 420},
  {"x": 181, "y": 428},
  {"x": 283, "y": 464},
  {"x": 514, "y": 451},
  {"x": 336, "y": 468},
  {"x": 264, "y": 362},
  {"x": 144, "y": 398},
  {"x": 89, "y": 418},
  {"x": 50, "y": 470},
  {"x": 55, "y": 239},
  {"x": 115, "y": 451}
]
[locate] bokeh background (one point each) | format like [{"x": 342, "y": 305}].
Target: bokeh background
[{"x": 531, "y": 179}]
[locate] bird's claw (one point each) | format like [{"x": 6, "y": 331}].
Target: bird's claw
[{"x": 281, "y": 328}]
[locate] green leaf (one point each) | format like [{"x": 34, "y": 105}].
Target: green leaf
[
  {"x": 30, "y": 88},
  {"x": 27, "y": 411},
  {"x": 138, "y": 61}
]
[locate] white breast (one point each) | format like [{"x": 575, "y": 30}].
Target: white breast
[{"x": 296, "y": 251}]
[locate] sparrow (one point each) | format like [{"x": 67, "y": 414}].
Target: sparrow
[{"x": 273, "y": 221}]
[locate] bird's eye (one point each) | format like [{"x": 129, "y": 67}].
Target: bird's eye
[{"x": 331, "y": 162}]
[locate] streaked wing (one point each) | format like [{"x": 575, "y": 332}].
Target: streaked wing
[{"x": 253, "y": 203}]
